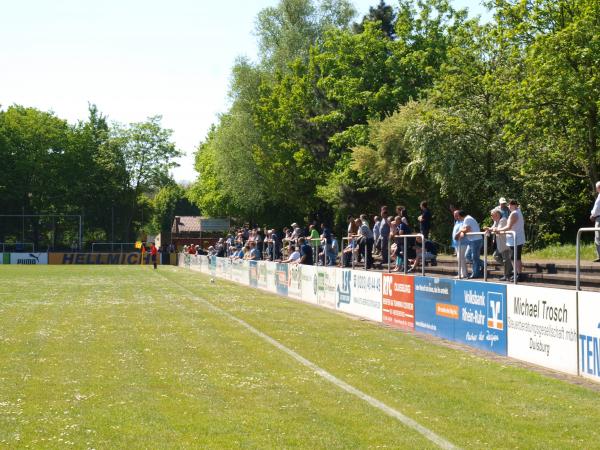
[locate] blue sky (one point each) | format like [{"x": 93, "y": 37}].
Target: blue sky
[{"x": 132, "y": 58}]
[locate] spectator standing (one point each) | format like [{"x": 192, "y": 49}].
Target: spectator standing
[
  {"x": 595, "y": 217},
  {"x": 500, "y": 239},
  {"x": 384, "y": 233},
  {"x": 504, "y": 209},
  {"x": 306, "y": 252},
  {"x": 425, "y": 219},
  {"x": 376, "y": 235},
  {"x": 459, "y": 243},
  {"x": 475, "y": 242},
  {"x": 366, "y": 237},
  {"x": 515, "y": 223}
]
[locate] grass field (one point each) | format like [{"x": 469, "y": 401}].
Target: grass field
[{"x": 128, "y": 357}]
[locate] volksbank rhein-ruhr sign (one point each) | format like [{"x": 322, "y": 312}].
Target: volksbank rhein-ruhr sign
[
  {"x": 589, "y": 335},
  {"x": 482, "y": 315},
  {"x": 542, "y": 326}
]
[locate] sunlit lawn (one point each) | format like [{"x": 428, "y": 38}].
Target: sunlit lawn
[{"x": 126, "y": 357}]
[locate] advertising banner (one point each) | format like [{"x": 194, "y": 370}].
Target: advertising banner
[
  {"x": 261, "y": 282},
  {"x": 224, "y": 268},
  {"x": 359, "y": 293},
  {"x": 99, "y": 258},
  {"x": 482, "y": 316},
  {"x": 398, "y": 294},
  {"x": 434, "y": 311},
  {"x": 239, "y": 274},
  {"x": 295, "y": 280},
  {"x": 326, "y": 286},
  {"x": 589, "y": 335},
  {"x": 271, "y": 276},
  {"x": 253, "y": 273},
  {"x": 29, "y": 258},
  {"x": 309, "y": 284},
  {"x": 542, "y": 326},
  {"x": 281, "y": 278}
]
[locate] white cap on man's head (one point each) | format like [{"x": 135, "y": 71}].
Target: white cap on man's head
[
  {"x": 502, "y": 201},
  {"x": 597, "y": 184},
  {"x": 294, "y": 225}
]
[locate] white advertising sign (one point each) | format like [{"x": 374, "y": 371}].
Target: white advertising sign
[
  {"x": 29, "y": 258},
  {"x": 589, "y": 335},
  {"x": 359, "y": 293},
  {"x": 295, "y": 280},
  {"x": 262, "y": 274},
  {"x": 326, "y": 285},
  {"x": 542, "y": 326},
  {"x": 271, "y": 274},
  {"x": 239, "y": 271},
  {"x": 309, "y": 284}
]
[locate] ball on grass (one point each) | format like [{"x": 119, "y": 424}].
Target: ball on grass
[{"x": 212, "y": 280}]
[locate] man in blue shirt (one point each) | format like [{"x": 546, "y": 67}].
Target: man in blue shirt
[{"x": 384, "y": 232}]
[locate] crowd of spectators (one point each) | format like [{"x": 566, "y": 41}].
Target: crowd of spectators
[{"x": 392, "y": 240}]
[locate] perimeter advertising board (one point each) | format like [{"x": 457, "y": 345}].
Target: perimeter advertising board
[
  {"x": 261, "y": 282},
  {"x": 224, "y": 268},
  {"x": 542, "y": 326},
  {"x": 100, "y": 258},
  {"x": 434, "y": 311},
  {"x": 398, "y": 294},
  {"x": 28, "y": 258},
  {"x": 239, "y": 273},
  {"x": 589, "y": 335},
  {"x": 295, "y": 280},
  {"x": 253, "y": 273},
  {"x": 271, "y": 276},
  {"x": 309, "y": 284},
  {"x": 281, "y": 278},
  {"x": 1, "y": 258},
  {"x": 326, "y": 286},
  {"x": 482, "y": 316},
  {"x": 359, "y": 293}
]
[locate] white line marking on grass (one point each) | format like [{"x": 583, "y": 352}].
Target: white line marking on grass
[{"x": 426, "y": 432}]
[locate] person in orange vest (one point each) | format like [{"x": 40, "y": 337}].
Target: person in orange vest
[
  {"x": 143, "y": 252},
  {"x": 153, "y": 253}
]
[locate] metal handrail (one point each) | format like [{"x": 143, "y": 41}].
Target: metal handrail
[
  {"x": 578, "y": 254},
  {"x": 485, "y": 235},
  {"x": 405, "y": 259}
]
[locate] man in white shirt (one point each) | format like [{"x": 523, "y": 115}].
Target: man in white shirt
[
  {"x": 470, "y": 225},
  {"x": 294, "y": 256},
  {"x": 595, "y": 217}
]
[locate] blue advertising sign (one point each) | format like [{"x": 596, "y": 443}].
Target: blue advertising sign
[
  {"x": 253, "y": 271},
  {"x": 482, "y": 317},
  {"x": 435, "y": 312},
  {"x": 281, "y": 279}
]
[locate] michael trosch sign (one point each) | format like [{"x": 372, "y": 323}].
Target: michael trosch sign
[{"x": 542, "y": 326}]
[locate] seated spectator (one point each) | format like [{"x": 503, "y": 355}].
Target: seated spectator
[
  {"x": 192, "y": 250},
  {"x": 429, "y": 255},
  {"x": 294, "y": 257}
]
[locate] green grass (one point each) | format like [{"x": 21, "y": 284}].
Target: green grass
[
  {"x": 563, "y": 252},
  {"x": 126, "y": 357}
]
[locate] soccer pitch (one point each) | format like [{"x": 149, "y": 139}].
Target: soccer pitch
[{"x": 129, "y": 357}]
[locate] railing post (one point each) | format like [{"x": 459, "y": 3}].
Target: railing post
[
  {"x": 485, "y": 243},
  {"x": 577, "y": 260},
  {"x": 460, "y": 256},
  {"x": 404, "y": 254},
  {"x": 389, "y": 255},
  {"x": 422, "y": 254},
  {"x": 515, "y": 276}
]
